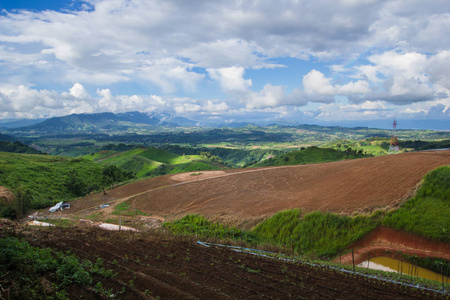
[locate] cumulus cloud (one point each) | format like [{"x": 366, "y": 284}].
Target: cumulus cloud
[
  {"x": 396, "y": 52},
  {"x": 78, "y": 91},
  {"x": 231, "y": 79},
  {"x": 315, "y": 82}
]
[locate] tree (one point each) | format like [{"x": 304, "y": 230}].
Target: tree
[
  {"x": 19, "y": 207},
  {"x": 75, "y": 185},
  {"x": 112, "y": 174}
]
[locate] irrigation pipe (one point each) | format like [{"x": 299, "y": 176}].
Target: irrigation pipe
[{"x": 274, "y": 255}]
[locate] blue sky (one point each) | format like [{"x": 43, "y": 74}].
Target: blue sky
[{"x": 347, "y": 62}]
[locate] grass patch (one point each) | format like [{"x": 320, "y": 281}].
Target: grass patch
[
  {"x": 95, "y": 216},
  {"x": 427, "y": 214},
  {"x": 200, "y": 226},
  {"x": 65, "y": 223},
  {"x": 125, "y": 209},
  {"x": 315, "y": 234}
]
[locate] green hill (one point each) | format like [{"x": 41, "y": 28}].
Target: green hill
[
  {"x": 47, "y": 179},
  {"x": 145, "y": 162},
  {"x": 17, "y": 147},
  {"x": 308, "y": 156}
]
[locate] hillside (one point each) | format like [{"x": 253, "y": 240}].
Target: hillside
[
  {"x": 17, "y": 147},
  {"x": 246, "y": 196},
  {"x": 144, "y": 162},
  {"x": 308, "y": 156},
  {"x": 49, "y": 179}
]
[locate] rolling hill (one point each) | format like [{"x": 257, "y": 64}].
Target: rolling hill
[
  {"x": 308, "y": 156},
  {"x": 49, "y": 179},
  {"x": 246, "y": 196},
  {"x": 143, "y": 162}
]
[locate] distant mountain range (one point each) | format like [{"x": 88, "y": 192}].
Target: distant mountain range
[
  {"x": 138, "y": 122},
  {"x": 100, "y": 122}
]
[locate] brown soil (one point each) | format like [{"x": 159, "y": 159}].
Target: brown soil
[
  {"x": 194, "y": 176},
  {"x": 244, "y": 197},
  {"x": 362, "y": 185},
  {"x": 155, "y": 266},
  {"x": 389, "y": 242}
]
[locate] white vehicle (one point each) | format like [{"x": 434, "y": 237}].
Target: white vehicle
[{"x": 56, "y": 207}]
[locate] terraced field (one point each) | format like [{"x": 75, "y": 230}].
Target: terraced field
[{"x": 155, "y": 266}]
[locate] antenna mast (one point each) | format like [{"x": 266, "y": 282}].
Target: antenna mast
[{"x": 393, "y": 147}]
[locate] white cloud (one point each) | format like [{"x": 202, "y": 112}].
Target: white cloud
[
  {"x": 215, "y": 107},
  {"x": 78, "y": 91},
  {"x": 395, "y": 51},
  {"x": 231, "y": 79},
  {"x": 315, "y": 82},
  {"x": 269, "y": 96}
]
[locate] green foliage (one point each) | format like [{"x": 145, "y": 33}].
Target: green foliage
[
  {"x": 17, "y": 147},
  {"x": 435, "y": 264},
  {"x": 111, "y": 175},
  {"x": 427, "y": 214},
  {"x": 25, "y": 266},
  {"x": 233, "y": 157},
  {"x": 370, "y": 146},
  {"x": 125, "y": 209},
  {"x": 20, "y": 205},
  {"x": 195, "y": 224},
  {"x": 310, "y": 155},
  {"x": 49, "y": 179},
  {"x": 144, "y": 162},
  {"x": 317, "y": 234},
  {"x": 425, "y": 145}
]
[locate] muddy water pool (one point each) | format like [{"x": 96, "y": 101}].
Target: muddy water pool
[{"x": 393, "y": 265}]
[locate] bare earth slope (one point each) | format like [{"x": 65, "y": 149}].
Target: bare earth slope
[{"x": 249, "y": 195}]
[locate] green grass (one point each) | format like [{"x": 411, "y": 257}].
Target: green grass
[
  {"x": 315, "y": 234},
  {"x": 145, "y": 162},
  {"x": 125, "y": 209},
  {"x": 308, "y": 156},
  {"x": 427, "y": 214},
  {"x": 198, "y": 225},
  {"x": 46, "y": 177},
  {"x": 65, "y": 223}
]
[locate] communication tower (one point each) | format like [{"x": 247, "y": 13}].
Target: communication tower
[{"x": 393, "y": 147}]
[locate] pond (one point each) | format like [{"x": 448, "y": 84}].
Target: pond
[{"x": 393, "y": 265}]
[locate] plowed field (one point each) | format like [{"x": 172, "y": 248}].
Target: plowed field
[
  {"x": 153, "y": 266},
  {"x": 249, "y": 195}
]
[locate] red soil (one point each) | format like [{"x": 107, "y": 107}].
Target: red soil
[
  {"x": 362, "y": 185},
  {"x": 387, "y": 242},
  {"x": 246, "y": 196}
]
